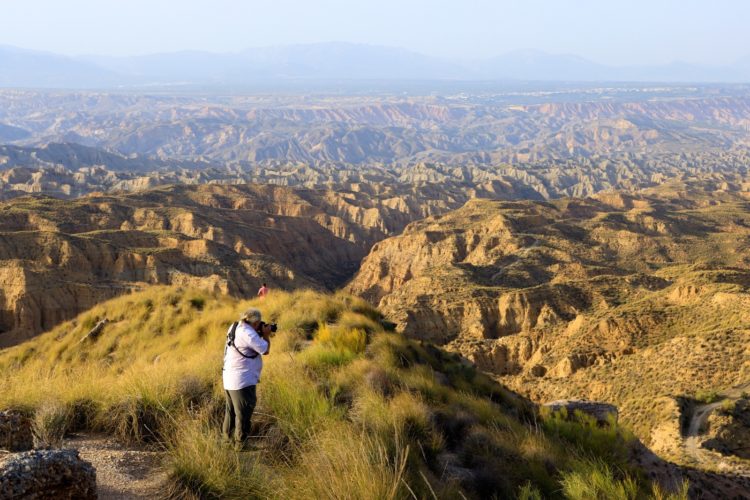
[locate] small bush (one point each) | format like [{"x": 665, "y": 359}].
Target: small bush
[
  {"x": 607, "y": 443},
  {"x": 707, "y": 396},
  {"x": 197, "y": 303},
  {"x": 529, "y": 492},
  {"x": 351, "y": 320},
  {"x": 682, "y": 493},
  {"x": 137, "y": 420},
  {"x": 300, "y": 311},
  {"x": 379, "y": 380},
  {"x": 360, "y": 307},
  {"x": 350, "y": 339},
  {"x": 88, "y": 322},
  {"x": 193, "y": 391},
  {"x": 595, "y": 480},
  {"x": 404, "y": 414},
  {"x": 83, "y": 413},
  {"x": 344, "y": 464},
  {"x": 51, "y": 421},
  {"x": 323, "y": 358},
  {"x": 727, "y": 407}
]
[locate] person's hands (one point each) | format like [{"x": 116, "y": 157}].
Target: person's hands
[
  {"x": 266, "y": 334},
  {"x": 266, "y": 331}
]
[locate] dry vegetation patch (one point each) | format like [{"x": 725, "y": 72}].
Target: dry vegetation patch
[{"x": 346, "y": 408}]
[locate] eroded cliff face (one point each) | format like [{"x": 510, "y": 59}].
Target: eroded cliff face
[
  {"x": 619, "y": 297},
  {"x": 61, "y": 257}
]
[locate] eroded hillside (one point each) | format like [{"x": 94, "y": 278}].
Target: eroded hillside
[
  {"x": 635, "y": 299},
  {"x": 61, "y": 257},
  {"x": 346, "y": 409}
]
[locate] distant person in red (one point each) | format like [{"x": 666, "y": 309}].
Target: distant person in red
[{"x": 263, "y": 291}]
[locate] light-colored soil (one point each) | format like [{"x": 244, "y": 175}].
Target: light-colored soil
[
  {"x": 121, "y": 472},
  {"x": 694, "y": 438}
]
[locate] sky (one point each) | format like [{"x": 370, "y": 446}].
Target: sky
[{"x": 611, "y": 32}]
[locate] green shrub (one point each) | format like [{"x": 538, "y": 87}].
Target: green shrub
[
  {"x": 707, "y": 396},
  {"x": 88, "y": 322},
  {"x": 324, "y": 358},
  {"x": 607, "y": 443},
  {"x": 727, "y": 406},
  {"x": 342, "y": 338},
  {"x": 344, "y": 464},
  {"x": 529, "y": 492},
  {"x": 594, "y": 480},
  {"x": 52, "y": 420},
  {"x": 136, "y": 420},
  {"x": 350, "y": 320},
  {"x": 83, "y": 414},
  {"x": 682, "y": 493}
]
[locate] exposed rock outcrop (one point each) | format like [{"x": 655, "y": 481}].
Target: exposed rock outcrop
[
  {"x": 623, "y": 297},
  {"x": 15, "y": 432},
  {"x": 47, "y": 474}
]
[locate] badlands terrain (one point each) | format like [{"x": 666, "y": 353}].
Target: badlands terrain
[
  {"x": 583, "y": 243},
  {"x": 637, "y": 299},
  {"x": 62, "y": 257},
  {"x": 487, "y": 127}
]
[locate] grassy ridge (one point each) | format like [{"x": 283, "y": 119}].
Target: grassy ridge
[{"x": 346, "y": 409}]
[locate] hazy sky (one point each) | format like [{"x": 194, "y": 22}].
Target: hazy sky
[{"x": 607, "y": 31}]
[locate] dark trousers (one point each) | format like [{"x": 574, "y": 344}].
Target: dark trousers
[{"x": 237, "y": 413}]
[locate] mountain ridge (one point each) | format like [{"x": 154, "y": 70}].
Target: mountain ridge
[{"x": 330, "y": 61}]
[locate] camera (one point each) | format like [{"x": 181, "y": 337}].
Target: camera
[{"x": 273, "y": 326}]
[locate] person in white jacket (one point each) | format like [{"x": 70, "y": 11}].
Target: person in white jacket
[{"x": 247, "y": 341}]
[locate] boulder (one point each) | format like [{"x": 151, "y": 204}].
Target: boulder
[
  {"x": 58, "y": 474},
  {"x": 15, "y": 432}
]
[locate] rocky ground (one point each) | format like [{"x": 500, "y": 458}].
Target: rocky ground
[{"x": 121, "y": 473}]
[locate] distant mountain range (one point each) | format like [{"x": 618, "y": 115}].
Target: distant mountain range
[{"x": 329, "y": 61}]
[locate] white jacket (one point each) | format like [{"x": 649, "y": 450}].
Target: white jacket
[{"x": 239, "y": 371}]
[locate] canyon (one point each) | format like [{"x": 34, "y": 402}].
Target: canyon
[{"x": 636, "y": 299}]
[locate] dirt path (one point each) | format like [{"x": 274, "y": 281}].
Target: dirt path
[
  {"x": 696, "y": 428},
  {"x": 693, "y": 438},
  {"x": 121, "y": 473}
]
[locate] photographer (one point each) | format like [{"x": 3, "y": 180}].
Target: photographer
[{"x": 247, "y": 340}]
